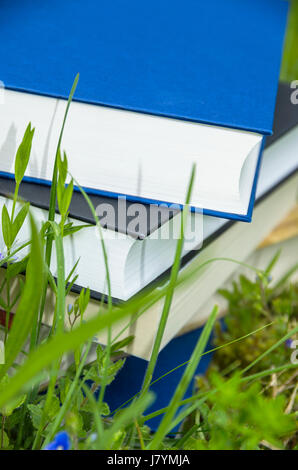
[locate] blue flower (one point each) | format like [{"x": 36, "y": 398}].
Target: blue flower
[
  {"x": 61, "y": 442},
  {"x": 69, "y": 308},
  {"x": 289, "y": 343}
]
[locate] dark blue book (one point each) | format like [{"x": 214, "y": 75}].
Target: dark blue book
[{"x": 163, "y": 85}]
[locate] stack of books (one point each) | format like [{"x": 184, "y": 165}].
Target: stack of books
[{"x": 163, "y": 86}]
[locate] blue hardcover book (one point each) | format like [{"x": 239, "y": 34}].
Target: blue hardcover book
[{"x": 163, "y": 85}]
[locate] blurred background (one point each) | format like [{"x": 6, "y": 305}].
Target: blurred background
[{"x": 289, "y": 70}]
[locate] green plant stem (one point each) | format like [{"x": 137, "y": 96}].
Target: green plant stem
[
  {"x": 96, "y": 413},
  {"x": 53, "y": 194},
  {"x": 110, "y": 305},
  {"x": 169, "y": 294},
  {"x": 179, "y": 444},
  {"x": 142, "y": 444},
  {"x": 15, "y": 198},
  {"x": 59, "y": 328},
  {"x": 165, "y": 426},
  {"x": 52, "y": 205}
]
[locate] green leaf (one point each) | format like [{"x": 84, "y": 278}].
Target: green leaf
[
  {"x": 19, "y": 220},
  {"x": 54, "y": 409},
  {"x": 65, "y": 384},
  {"x": 60, "y": 306},
  {"x": 6, "y": 227},
  {"x": 74, "y": 424},
  {"x": 105, "y": 410},
  {"x": 60, "y": 193},
  {"x": 23, "y": 154},
  {"x": 35, "y": 413},
  {"x": 64, "y": 194},
  {"x": 29, "y": 303},
  {"x": 62, "y": 167},
  {"x": 65, "y": 199},
  {"x": 241, "y": 418},
  {"x": 17, "y": 267},
  {"x": 69, "y": 230},
  {"x": 272, "y": 263},
  {"x": 119, "y": 345},
  {"x": 13, "y": 404},
  {"x": 84, "y": 298}
]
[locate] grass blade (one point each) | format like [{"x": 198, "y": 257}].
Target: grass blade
[
  {"x": 53, "y": 196},
  {"x": 52, "y": 206},
  {"x": 165, "y": 425},
  {"x": 281, "y": 341},
  {"x": 170, "y": 292}
]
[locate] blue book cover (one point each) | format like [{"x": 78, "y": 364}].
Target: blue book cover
[{"x": 209, "y": 62}]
